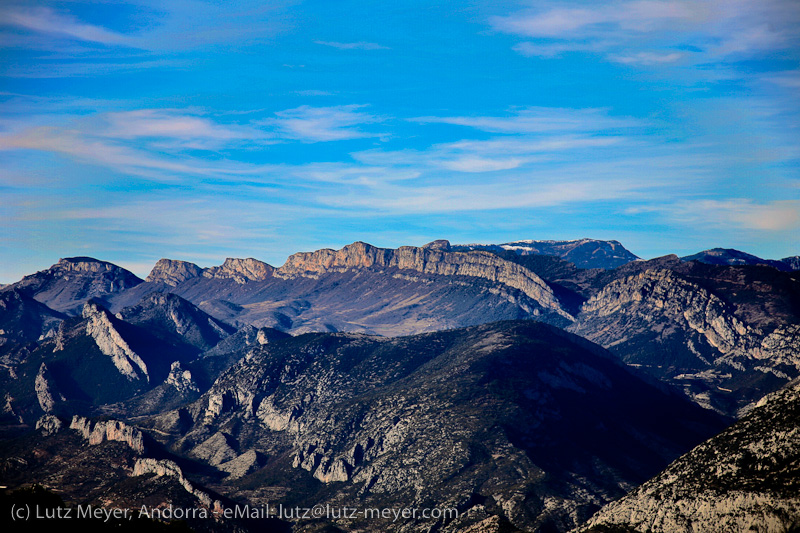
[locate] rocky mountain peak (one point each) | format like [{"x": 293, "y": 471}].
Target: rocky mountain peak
[
  {"x": 730, "y": 256},
  {"x": 792, "y": 262},
  {"x": 84, "y": 264},
  {"x": 241, "y": 270},
  {"x": 172, "y": 272},
  {"x": 439, "y": 244},
  {"x": 356, "y": 255},
  {"x": 584, "y": 253},
  {"x": 91, "y": 308},
  {"x": 178, "y": 319},
  {"x": 70, "y": 282},
  {"x": 103, "y": 328}
]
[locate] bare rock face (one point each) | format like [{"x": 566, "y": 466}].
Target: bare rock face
[
  {"x": 792, "y": 262},
  {"x": 430, "y": 260},
  {"x": 165, "y": 467},
  {"x": 100, "y": 327},
  {"x": 745, "y": 479},
  {"x": 688, "y": 336},
  {"x": 181, "y": 379},
  {"x": 24, "y": 320},
  {"x": 240, "y": 270},
  {"x": 49, "y": 425},
  {"x": 45, "y": 391},
  {"x": 215, "y": 450},
  {"x": 109, "y": 430},
  {"x": 657, "y": 294},
  {"x": 440, "y": 244},
  {"x": 241, "y": 465},
  {"x": 172, "y": 272}
]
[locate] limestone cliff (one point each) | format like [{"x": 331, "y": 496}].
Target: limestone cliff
[
  {"x": 427, "y": 260},
  {"x": 100, "y": 327},
  {"x": 108, "y": 430},
  {"x": 46, "y": 394},
  {"x": 240, "y": 270},
  {"x": 660, "y": 294},
  {"x": 166, "y": 467},
  {"x": 173, "y": 272},
  {"x": 685, "y": 334}
]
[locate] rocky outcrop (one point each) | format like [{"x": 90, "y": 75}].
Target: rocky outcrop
[
  {"x": 214, "y": 450},
  {"x": 242, "y": 465},
  {"x": 792, "y": 262},
  {"x": 165, "y": 467},
  {"x": 108, "y": 430},
  {"x": 46, "y": 394},
  {"x": 181, "y": 379},
  {"x": 240, "y": 270},
  {"x": 745, "y": 479},
  {"x": 100, "y": 326},
  {"x": 432, "y": 260},
  {"x": 686, "y": 335},
  {"x": 84, "y": 264},
  {"x": 439, "y": 244},
  {"x": 24, "y": 320},
  {"x": 172, "y": 272},
  {"x": 656, "y": 295},
  {"x": 49, "y": 425}
]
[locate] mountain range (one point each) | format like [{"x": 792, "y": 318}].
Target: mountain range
[{"x": 525, "y": 384}]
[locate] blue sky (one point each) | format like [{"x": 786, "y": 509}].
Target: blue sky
[{"x": 131, "y": 131}]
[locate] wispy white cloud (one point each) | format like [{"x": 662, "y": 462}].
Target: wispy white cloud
[
  {"x": 181, "y": 129},
  {"x": 155, "y": 144},
  {"x": 360, "y": 45},
  {"x": 316, "y": 124},
  {"x": 734, "y": 213},
  {"x": 647, "y": 58},
  {"x": 510, "y": 194},
  {"x": 639, "y": 16},
  {"x": 177, "y": 25},
  {"x": 119, "y": 157},
  {"x": 48, "y": 21},
  {"x": 555, "y": 49},
  {"x": 528, "y": 136},
  {"x": 352, "y": 174},
  {"x": 657, "y": 32},
  {"x": 540, "y": 120},
  {"x": 490, "y": 155}
]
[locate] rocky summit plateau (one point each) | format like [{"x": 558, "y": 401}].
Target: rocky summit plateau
[{"x": 532, "y": 385}]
